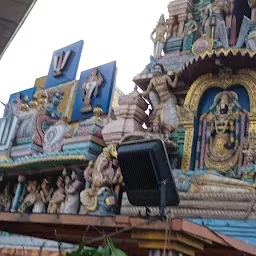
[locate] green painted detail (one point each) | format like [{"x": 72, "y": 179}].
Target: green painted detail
[
  {"x": 45, "y": 160},
  {"x": 198, "y": 6},
  {"x": 83, "y": 146},
  {"x": 178, "y": 136},
  {"x": 173, "y": 44}
]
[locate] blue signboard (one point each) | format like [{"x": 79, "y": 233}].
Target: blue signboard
[
  {"x": 64, "y": 64},
  {"x": 95, "y": 87}
]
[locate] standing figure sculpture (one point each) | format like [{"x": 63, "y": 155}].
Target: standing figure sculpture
[
  {"x": 73, "y": 187},
  {"x": 30, "y": 199},
  {"x": 43, "y": 197},
  {"x": 58, "y": 197},
  {"x": 217, "y": 21},
  {"x": 161, "y": 31},
  {"x": 100, "y": 198},
  {"x": 167, "y": 101},
  {"x": 6, "y": 199},
  {"x": 189, "y": 31},
  {"x": 90, "y": 87}
]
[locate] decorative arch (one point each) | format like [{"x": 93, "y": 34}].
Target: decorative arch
[
  {"x": 226, "y": 79},
  {"x": 245, "y": 77}
]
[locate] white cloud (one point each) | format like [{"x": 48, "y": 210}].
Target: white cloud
[{"x": 112, "y": 30}]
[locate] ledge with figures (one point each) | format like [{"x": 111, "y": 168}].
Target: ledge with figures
[{"x": 221, "y": 183}]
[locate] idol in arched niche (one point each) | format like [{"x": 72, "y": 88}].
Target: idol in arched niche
[{"x": 221, "y": 131}]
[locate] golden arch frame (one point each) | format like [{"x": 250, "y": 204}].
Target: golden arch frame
[{"x": 245, "y": 77}]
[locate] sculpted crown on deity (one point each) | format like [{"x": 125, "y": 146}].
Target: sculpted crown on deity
[{"x": 222, "y": 129}]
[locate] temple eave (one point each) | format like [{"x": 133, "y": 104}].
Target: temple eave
[
  {"x": 186, "y": 236},
  {"x": 41, "y": 163},
  {"x": 206, "y": 63}
]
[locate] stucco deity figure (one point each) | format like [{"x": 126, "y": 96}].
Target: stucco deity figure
[
  {"x": 30, "y": 199},
  {"x": 6, "y": 199},
  {"x": 189, "y": 31},
  {"x": 43, "y": 197},
  {"x": 221, "y": 129},
  {"x": 52, "y": 107},
  {"x": 58, "y": 197},
  {"x": 90, "y": 87},
  {"x": 251, "y": 38},
  {"x": 99, "y": 199},
  {"x": 210, "y": 181},
  {"x": 216, "y": 22},
  {"x": 248, "y": 169},
  {"x": 166, "y": 101},
  {"x": 73, "y": 187},
  {"x": 161, "y": 31}
]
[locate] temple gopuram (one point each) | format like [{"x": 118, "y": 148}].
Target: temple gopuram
[{"x": 60, "y": 175}]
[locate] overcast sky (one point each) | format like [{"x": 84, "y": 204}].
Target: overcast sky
[{"x": 111, "y": 29}]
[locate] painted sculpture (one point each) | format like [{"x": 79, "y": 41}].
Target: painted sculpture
[
  {"x": 189, "y": 30},
  {"x": 73, "y": 186},
  {"x": 52, "y": 107},
  {"x": 54, "y": 136},
  {"x": 90, "y": 88},
  {"x": 57, "y": 198},
  {"x": 224, "y": 126},
  {"x": 43, "y": 197},
  {"x": 35, "y": 121},
  {"x": 217, "y": 22},
  {"x": 9, "y": 124},
  {"x": 200, "y": 181},
  {"x": 161, "y": 31},
  {"x": 201, "y": 101},
  {"x": 6, "y": 198},
  {"x": 30, "y": 198},
  {"x": 163, "y": 101},
  {"x": 99, "y": 198}
]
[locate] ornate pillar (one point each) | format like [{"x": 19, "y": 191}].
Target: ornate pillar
[
  {"x": 252, "y": 4},
  {"x": 252, "y": 121},
  {"x": 170, "y": 23},
  {"x": 181, "y": 19},
  {"x": 186, "y": 116},
  {"x": 18, "y": 193}
]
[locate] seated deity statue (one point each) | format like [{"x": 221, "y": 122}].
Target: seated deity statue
[
  {"x": 221, "y": 131},
  {"x": 164, "y": 104},
  {"x": 99, "y": 198}
]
